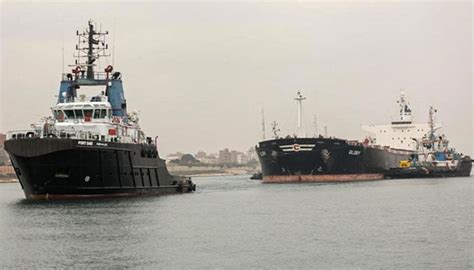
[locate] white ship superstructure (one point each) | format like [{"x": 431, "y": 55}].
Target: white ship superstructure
[{"x": 400, "y": 133}]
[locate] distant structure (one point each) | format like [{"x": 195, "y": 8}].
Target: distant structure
[
  {"x": 2, "y": 140},
  {"x": 174, "y": 156},
  {"x": 205, "y": 158},
  {"x": 3, "y": 155},
  {"x": 224, "y": 157},
  {"x": 252, "y": 154}
]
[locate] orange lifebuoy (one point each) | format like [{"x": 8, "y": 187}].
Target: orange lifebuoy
[{"x": 109, "y": 69}]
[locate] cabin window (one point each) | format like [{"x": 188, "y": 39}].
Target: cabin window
[
  {"x": 79, "y": 113},
  {"x": 100, "y": 113},
  {"x": 69, "y": 113},
  {"x": 58, "y": 114},
  {"x": 88, "y": 113}
]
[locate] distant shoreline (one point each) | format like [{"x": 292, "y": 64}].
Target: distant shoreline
[
  {"x": 4, "y": 179},
  {"x": 209, "y": 171}
]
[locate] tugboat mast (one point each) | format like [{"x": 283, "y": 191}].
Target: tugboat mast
[
  {"x": 90, "y": 37},
  {"x": 90, "y": 59},
  {"x": 431, "y": 122}
]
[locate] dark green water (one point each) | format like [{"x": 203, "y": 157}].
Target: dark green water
[{"x": 232, "y": 222}]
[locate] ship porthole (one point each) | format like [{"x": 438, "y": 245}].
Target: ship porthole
[{"x": 87, "y": 179}]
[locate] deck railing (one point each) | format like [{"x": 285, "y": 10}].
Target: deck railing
[
  {"x": 80, "y": 135},
  {"x": 97, "y": 76}
]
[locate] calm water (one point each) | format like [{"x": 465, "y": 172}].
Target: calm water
[{"x": 232, "y": 222}]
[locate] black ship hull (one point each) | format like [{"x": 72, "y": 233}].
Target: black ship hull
[
  {"x": 315, "y": 160},
  {"x": 385, "y": 159},
  {"x": 51, "y": 168}
]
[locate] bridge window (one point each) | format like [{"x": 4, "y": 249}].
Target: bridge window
[
  {"x": 79, "y": 113},
  {"x": 69, "y": 114},
  {"x": 88, "y": 113},
  {"x": 100, "y": 113}
]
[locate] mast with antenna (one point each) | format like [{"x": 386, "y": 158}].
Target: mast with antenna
[
  {"x": 91, "y": 45},
  {"x": 299, "y": 98},
  {"x": 431, "y": 121},
  {"x": 263, "y": 125},
  {"x": 315, "y": 123}
]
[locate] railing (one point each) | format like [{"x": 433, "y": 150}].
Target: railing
[
  {"x": 83, "y": 75},
  {"x": 84, "y": 98},
  {"x": 21, "y": 134},
  {"x": 78, "y": 135}
]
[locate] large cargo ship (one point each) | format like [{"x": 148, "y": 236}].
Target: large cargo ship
[
  {"x": 313, "y": 159},
  {"x": 403, "y": 149},
  {"x": 91, "y": 146}
]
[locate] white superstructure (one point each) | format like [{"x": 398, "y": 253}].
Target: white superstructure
[
  {"x": 400, "y": 133},
  {"x": 88, "y": 118}
]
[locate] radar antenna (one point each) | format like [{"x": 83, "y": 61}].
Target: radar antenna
[{"x": 91, "y": 46}]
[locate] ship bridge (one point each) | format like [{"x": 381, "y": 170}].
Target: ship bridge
[
  {"x": 91, "y": 46},
  {"x": 401, "y": 133}
]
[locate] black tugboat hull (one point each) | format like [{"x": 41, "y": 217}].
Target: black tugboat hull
[
  {"x": 463, "y": 169},
  {"x": 52, "y": 168},
  {"x": 314, "y": 160}
]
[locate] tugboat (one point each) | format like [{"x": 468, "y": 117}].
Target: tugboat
[
  {"x": 317, "y": 159},
  {"x": 90, "y": 146},
  {"x": 433, "y": 158}
]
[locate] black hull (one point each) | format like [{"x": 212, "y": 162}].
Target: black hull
[
  {"x": 384, "y": 159},
  {"x": 314, "y": 160},
  {"x": 53, "y": 168},
  {"x": 335, "y": 160}
]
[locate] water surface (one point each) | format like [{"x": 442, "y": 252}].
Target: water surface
[{"x": 233, "y": 222}]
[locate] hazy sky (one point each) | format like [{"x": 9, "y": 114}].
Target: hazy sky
[{"x": 200, "y": 72}]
